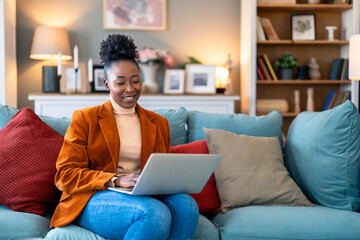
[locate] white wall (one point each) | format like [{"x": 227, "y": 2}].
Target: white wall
[{"x": 8, "y": 69}]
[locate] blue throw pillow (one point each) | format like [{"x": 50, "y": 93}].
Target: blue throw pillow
[
  {"x": 323, "y": 155},
  {"x": 258, "y": 126},
  {"x": 58, "y": 124},
  {"x": 177, "y": 120}
]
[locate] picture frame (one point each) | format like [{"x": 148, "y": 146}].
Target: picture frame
[
  {"x": 200, "y": 79},
  {"x": 98, "y": 85},
  {"x": 68, "y": 83},
  {"x": 134, "y": 14},
  {"x": 174, "y": 81},
  {"x": 303, "y": 27}
]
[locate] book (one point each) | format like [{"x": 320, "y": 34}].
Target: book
[
  {"x": 271, "y": 70},
  {"x": 346, "y": 96},
  {"x": 331, "y": 104},
  {"x": 269, "y": 29},
  {"x": 259, "y": 73},
  {"x": 336, "y": 67},
  {"x": 328, "y": 100},
  {"x": 339, "y": 98},
  {"x": 344, "y": 69},
  {"x": 264, "y": 68},
  {"x": 260, "y": 35}
]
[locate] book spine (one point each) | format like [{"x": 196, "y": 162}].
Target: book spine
[
  {"x": 258, "y": 70},
  {"x": 270, "y": 35},
  {"x": 339, "y": 69},
  {"x": 331, "y": 104},
  {"x": 271, "y": 70},
  {"x": 328, "y": 100},
  {"x": 259, "y": 30},
  {"x": 344, "y": 69},
  {"x": 263, "y": 68},
  {"x": 333, "y": 69}
]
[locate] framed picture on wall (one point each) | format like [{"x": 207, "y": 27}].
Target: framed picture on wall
[
  {"x": 174, "y": 81},
  {"x": 303, "y": 27},
  {"x": 98, "y": 84},
  {"x": 72, "y": 82},
  {"x": 200, "y": 78},
  {"x": 134, "y": 14}
]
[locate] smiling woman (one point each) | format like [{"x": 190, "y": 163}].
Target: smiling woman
[{"x": 93, "y": 159}]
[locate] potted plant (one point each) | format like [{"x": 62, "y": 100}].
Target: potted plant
[{"x": 286, "y": 64}]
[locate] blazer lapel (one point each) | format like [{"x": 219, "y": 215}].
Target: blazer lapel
[
  {"x": 148, "y": 134},
  {"x": 108, "y": 127}
]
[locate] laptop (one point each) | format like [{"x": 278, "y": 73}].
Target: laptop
[{"x": 170, "y": 173}]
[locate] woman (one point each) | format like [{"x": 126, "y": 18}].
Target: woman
[{"x": 108, "y": 145}]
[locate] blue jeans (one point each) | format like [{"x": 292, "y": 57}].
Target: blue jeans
[{"x": 117, "y": 215}]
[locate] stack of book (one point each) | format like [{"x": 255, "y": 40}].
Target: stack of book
[
  {"x": 264, "y": 70},
  {"x": 339, "y": 69},
  {"x": 265, "y": 30},
  {"x": 336, "y": 97}
]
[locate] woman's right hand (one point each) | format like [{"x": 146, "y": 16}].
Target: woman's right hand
[{"x": 127, "y": 181}]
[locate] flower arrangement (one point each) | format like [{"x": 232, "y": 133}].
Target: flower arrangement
[{"x": 152, "y": 56}]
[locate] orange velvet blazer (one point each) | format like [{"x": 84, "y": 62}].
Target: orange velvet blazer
[{"x": 90, "y": 154}]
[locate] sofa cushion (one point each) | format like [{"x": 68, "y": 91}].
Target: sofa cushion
[
  {"x": 177, "y": 120},
  {"x": 206, "y": 230},
  {"x": 19, "y": 225},
  {"x": 259, "y": 126},
  {"x": 28, "y": 152},
  {"x": 282, "y": 222},
  {"x": 252, "y": 171},
  {"x": 72, "y": 232},
  {"x": 58, "y": 124},
  {"x": 323, "y": 156},
  {"x": 208, "y": 199}
]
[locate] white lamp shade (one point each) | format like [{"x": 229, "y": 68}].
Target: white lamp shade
[
  {"x": 48, "y": 42},
  {"x": 354, "y": 58},
  {"x": 221, "y": 77}
]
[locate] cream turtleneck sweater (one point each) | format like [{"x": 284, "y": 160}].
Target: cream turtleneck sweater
[{"x": 128, "y": 126}]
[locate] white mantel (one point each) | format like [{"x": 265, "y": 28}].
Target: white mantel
[{"x": 62, "y": 105}]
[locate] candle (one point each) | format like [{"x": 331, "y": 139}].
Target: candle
[
  {"x": 76, "y": 57},
  {"x": 90, "y": 67},
  {"x": 59, "y": 64}
]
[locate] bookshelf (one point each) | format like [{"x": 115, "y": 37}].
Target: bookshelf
[{"x": 344, "y": 17}]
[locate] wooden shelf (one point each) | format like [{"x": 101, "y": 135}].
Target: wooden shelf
[
  {"x": 305, "y": 7},
  {"x": 303, "y": 82},
  {"x": 286, "y": 114},
  {"x": 303, "y": 42}
]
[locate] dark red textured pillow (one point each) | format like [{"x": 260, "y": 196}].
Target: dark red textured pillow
[
  {"x": 208, "y": 199},
  {"x": 28, "y": 152}
]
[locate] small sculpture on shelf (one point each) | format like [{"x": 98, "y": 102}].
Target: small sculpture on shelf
[
  {"x": 331, "y": 30},
  {"x": 314, "y": 69}
]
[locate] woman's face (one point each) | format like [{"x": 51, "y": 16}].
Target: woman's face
[{"x": 124, "y": 83}]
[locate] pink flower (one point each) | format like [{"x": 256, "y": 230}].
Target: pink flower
[
  {"x": 159, "y": 56},
  {"x": 169, "y": 61}
]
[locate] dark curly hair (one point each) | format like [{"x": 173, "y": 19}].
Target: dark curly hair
[{"x": 118, "y": 47}]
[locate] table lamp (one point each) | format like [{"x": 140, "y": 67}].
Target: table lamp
[{"x": 50, "y": 43}]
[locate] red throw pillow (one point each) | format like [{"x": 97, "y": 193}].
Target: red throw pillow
[
  {"x": 28, "y": 152},
  {"x": 208, "y": 199}
]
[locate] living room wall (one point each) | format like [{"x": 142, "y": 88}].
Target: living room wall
[{"x": 205, "y": 29}]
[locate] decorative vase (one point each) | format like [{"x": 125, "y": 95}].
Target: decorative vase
[
  {"x": 310, "y": 100},
  {"x": 149, "y": 71},
  {"x": 303, "y": 72},
  {"x": 286, "y": 73},
  {"x": 297, "y": 101}
]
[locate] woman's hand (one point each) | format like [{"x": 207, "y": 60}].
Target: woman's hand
[{"x": 127, "y": 181}]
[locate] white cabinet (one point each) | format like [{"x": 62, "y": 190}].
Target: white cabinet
[{"x": 60, "y": 105}]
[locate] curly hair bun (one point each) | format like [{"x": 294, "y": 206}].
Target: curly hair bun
[{"x": 117, "y": 47}]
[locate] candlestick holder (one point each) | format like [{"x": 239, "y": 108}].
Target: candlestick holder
[
  {"x": 229, "y": 66},
  {"x": 76, "y": 78}
]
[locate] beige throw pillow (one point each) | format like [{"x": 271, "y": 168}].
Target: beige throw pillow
[{"x": 252, "y": 171}]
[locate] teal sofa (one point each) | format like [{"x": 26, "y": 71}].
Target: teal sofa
[{"x": 314, "y": 140}]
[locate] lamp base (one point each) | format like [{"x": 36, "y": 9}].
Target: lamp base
[{"x": 50, "y": 79}]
